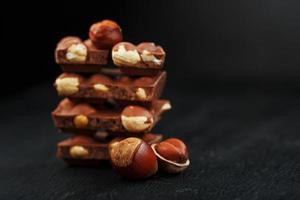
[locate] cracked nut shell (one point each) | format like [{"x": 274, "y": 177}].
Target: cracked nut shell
[{"x": 172, "y": 155}]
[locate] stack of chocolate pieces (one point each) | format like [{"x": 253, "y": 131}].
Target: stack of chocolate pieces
[{"x": 104, "y": 101}]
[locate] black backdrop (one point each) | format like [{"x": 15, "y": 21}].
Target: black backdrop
[
  {"x": 233, "y": 79},
  {"x": 225, "y": 41}
]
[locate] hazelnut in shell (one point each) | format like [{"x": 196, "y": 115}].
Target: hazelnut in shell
[
  {"x": 172, "y": 155},
  {"x": 132, "y": 158},
  {"x": 136, "y": 119}
]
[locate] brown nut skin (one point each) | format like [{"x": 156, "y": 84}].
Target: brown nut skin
[
  {"x": 151, "y": 47},
  {"x": 144, "y": 81},
  {"x": 82, "y": 139},
  {"x": 136, "y": 119},
  {"x": 82, "y": 109},
  {"x": 132, "y": 158},
  {"x": 172, "y": 155},
  {"x": 173, "y": 149},
  {"x": 105, "y": 34}
]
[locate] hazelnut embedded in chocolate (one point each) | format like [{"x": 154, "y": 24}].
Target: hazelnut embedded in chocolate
[
  {"x": 74, "y": 50},
  {"x": 101, "y": 135},
  {"x": 151, "y": 54},
  {"x": 82, "y": 109},
  {"x": 124, "y": 54},
  {"x": 141, "y": 94},
  {"x": 81, "y": 121},
  {"x": 100, "y": 82},
  {"x": 105, "y": 34},
  {"x": 79, "y": 152},
  {"x": 67, "y": 83},
  {"x": 145, "y": 55},
  {"x": 136, "y": 119},
  {"x": 77, "y": 53}
]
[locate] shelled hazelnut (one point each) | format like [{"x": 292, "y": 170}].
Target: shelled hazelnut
[
  {"x": 136, "y": 119},
  {"x": 105, "y": 34},
  {"x": 81, "y": 121},
  {"x": 67, "y": 84},
  {"x": 172, "y": 155},
  {"x": 77, "y": 53},
  {"x": 79, "y": 152},
  {"x": 125, "y": 53},
  {"x": 151, "y": 53}
]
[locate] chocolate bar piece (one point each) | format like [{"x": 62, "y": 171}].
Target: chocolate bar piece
[
  {"x": 124, "y": 89},
  {"x": 143, "y": 60},
  {"x": 73, "y": 55},
  {"x": 98, "y": 133},
  {"x": 83, "y": 150},
  {"x": 135, "y": 119},
  {"x": 130, "y": 71}
]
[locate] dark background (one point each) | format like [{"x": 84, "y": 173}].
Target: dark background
[
  {"x": 236, "y": 41},
  {"x": 233, "y": 79}
]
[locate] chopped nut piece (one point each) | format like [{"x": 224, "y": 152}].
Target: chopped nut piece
[
  {"x": 79, "y": 152},
  {"x": 166, "y": 106},
  {"x": 136, "y": 119}
]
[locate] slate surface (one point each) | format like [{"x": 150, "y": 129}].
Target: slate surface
[{"x": 244, "y": 144}]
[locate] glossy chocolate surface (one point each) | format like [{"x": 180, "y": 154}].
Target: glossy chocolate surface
[{"x": 95, "y": 57}]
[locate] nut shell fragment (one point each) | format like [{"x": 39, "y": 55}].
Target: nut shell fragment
[{"x": 169, "y": 166}]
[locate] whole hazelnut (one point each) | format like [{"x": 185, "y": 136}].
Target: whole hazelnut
[
  {"x": 141, "y": 94},
  {"x": 81, "y": 121},
  {"x": 125, "y": 54},
  {"x": 67, "y": 85},
  {"x": 172, "y": 155},
  {"x": 79, "y": 152},
  {"x": 77, "y": 53},
  {"x": 151, "y": 53},
  {"x": 105, "y": 34},
  {"x": 132, "y": 158},
  {"x": 136, "y": 119}
]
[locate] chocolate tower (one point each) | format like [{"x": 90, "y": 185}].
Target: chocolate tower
[{"x": 102, "y": 101}]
